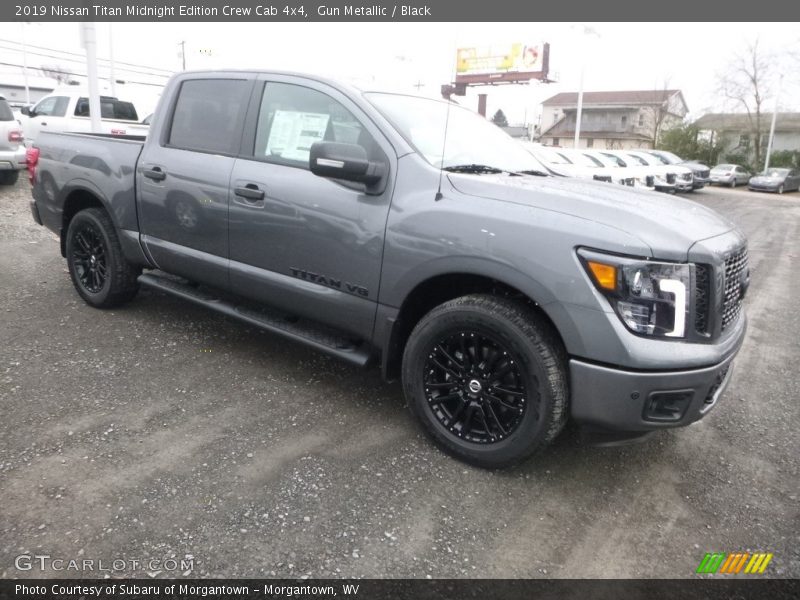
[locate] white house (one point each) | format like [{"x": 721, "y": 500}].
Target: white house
[
  {"x": 621, "y": 120},
  {"x": 736, "y": 131}
]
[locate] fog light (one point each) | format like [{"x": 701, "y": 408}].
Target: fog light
[{"x": 667, "y": 406}]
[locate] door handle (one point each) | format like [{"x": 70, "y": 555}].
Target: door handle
[
  {"x": 249, "y": 192},
  {"x": 156, "y": 174}
]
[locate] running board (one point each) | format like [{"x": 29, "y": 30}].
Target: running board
[{"x": 326, "y": 339}]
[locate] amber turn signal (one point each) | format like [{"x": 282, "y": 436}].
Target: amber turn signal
[{"x": 604, "y": 275}]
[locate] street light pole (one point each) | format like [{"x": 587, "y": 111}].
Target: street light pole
[
  {"x": 580, "y": 110},
  {"x": 111, "y": 77},
  {"x": 772, "y": 126}
]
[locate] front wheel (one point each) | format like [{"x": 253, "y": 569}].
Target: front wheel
[
  {"x": 487, "y": 379},
  {"x": 99, "y": 271},
  {"x": 780, "y": 189}
]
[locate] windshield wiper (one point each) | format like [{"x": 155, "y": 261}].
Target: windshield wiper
[
  {"x": 473, "y": 168},
  {"x": 534, "y": 172}
]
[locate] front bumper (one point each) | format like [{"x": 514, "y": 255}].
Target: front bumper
[
  {"x": 764, "y": 187},
  {"x": 611, "y": 399}
]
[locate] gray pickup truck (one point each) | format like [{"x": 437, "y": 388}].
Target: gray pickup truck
[{"x": 410, "y": 232}]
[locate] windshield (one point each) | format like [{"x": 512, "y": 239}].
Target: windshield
[
  {"x": 605, "y": 161},
  {"x": 584, "y": 160},
  {"x": 471, "y": 139},
  {"x": 776, "y": 173},
  {"x": 635, "y": 158},
  {"x": 668, "y": 157},
  {"x": 548, "y": 155}
]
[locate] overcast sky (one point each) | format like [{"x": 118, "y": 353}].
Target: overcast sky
[{"x": 620, "y": 56}]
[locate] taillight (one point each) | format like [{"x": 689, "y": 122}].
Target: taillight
[
  {"x": 32, "y": 160},
  {"x": 15, "y": 136}
]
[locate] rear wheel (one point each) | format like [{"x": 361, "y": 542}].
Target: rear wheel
[
  {"x": 99, "y": 271},
  {"x": 733, "y": 182},
  {"x": 8, "y": 177},
  {"x": 487, "y": 379}
]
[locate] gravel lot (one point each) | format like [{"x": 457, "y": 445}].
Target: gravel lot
[{"x": 161, "y": 430}]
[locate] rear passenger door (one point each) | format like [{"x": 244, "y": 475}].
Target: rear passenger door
[
  {"x": 183, "y": 177},
  {"x": 307, "y": 244}
]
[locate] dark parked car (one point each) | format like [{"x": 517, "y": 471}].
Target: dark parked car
[
  {"x": 776, "y": 180},
  {"x": 731, "y": 175},
  {"x": 700, "y": 171}
]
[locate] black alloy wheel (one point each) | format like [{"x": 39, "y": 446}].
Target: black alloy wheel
[
  {"x": 475, "y": 388},
  {"x": 487, "y": 378},
  {"x": 89, "y": 258}
]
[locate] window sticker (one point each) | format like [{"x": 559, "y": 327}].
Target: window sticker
[{"x": 292, "y": 134}]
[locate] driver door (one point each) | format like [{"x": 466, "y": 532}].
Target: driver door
[{"x": 310, "y": 245}]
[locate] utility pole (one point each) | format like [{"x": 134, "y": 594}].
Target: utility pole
[
  {"x": 772, "y": 127},
  {"x": 89, "y": 42},
  {"x": 183, "y": 53}
]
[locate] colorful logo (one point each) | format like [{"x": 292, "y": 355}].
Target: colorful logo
[{"x": 734, "y": 563}]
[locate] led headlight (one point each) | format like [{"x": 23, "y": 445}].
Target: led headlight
[{"x": 650, "y": 298}]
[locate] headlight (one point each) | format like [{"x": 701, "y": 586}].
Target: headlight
[{"x": 650, "y": 298}]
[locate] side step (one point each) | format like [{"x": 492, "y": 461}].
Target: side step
[{"x": 306, "y": 332}]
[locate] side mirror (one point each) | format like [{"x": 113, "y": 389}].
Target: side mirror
[
  {"x": 27, "y": 111},
  {"x": 344, "y": 161}
]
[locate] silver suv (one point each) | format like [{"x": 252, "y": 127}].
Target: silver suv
[{"x": 12, "y": 149}]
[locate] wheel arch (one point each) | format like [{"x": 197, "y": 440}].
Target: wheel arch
[
  {"x": 77, "y": 197},
  {"x": 437, "y": 289}
]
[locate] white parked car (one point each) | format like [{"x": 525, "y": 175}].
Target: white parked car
[
  {"x": 568, "y": 163},
  {"x": 621, "y": 173},
  {"x": 68, "y": 111},
  {"x": 12, "y": 150},
  {"x": 682, "y": 177},
  {"x": 657, "y": 178}
]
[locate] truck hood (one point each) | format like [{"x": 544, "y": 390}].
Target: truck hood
[{"x": 669, "y": 225}]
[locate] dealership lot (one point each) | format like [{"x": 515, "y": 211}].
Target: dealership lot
[{"x": 162, "y": 432}]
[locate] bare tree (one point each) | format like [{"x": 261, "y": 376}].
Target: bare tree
[
  {"x": 657, "y": 113},
  {"x": 747, "y": 83}
]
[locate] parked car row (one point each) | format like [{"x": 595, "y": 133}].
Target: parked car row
[
  {"x": 653, "y": 170},
  {"x": 777, "y": 179}
]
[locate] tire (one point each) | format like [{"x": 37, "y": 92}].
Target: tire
[
  {"x": 8, "y": 177},
  {"x": 780, "y": 189},
  {"x": 502, "y": 409},
  {"x": 733, "y": 182},
  {"x": 97, "y": 267}
]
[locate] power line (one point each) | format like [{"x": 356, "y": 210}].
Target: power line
[
  {"x": 150, "y": 83},
  {"x": 78, "y": 54},
  {"x": 81, "y": 61}
]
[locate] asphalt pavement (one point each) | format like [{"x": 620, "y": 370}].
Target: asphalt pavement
[{"x": 178, "y": 442}]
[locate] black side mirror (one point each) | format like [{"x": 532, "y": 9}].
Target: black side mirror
[
  {"x": 27, "y": 111},
  {"x": 344, "y": 161}
]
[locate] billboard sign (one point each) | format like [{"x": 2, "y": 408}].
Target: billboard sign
[{"x": 504, "y": 62}]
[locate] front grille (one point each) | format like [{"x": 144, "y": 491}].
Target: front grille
[
  {"x": 670, "y": 177},
  {"x": 735, "y": 266},
  {"x": 701, "y": 298},
  {"x": 704, "y": 174}
]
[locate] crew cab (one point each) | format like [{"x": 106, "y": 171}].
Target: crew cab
[
  {"x": 413, "y": 233},
  {"x": 68, "y": 111}
]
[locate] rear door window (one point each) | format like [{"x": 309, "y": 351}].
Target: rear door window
[
  {"x": 110, "y": 108},
  {"x": 207, "y": 115}
]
